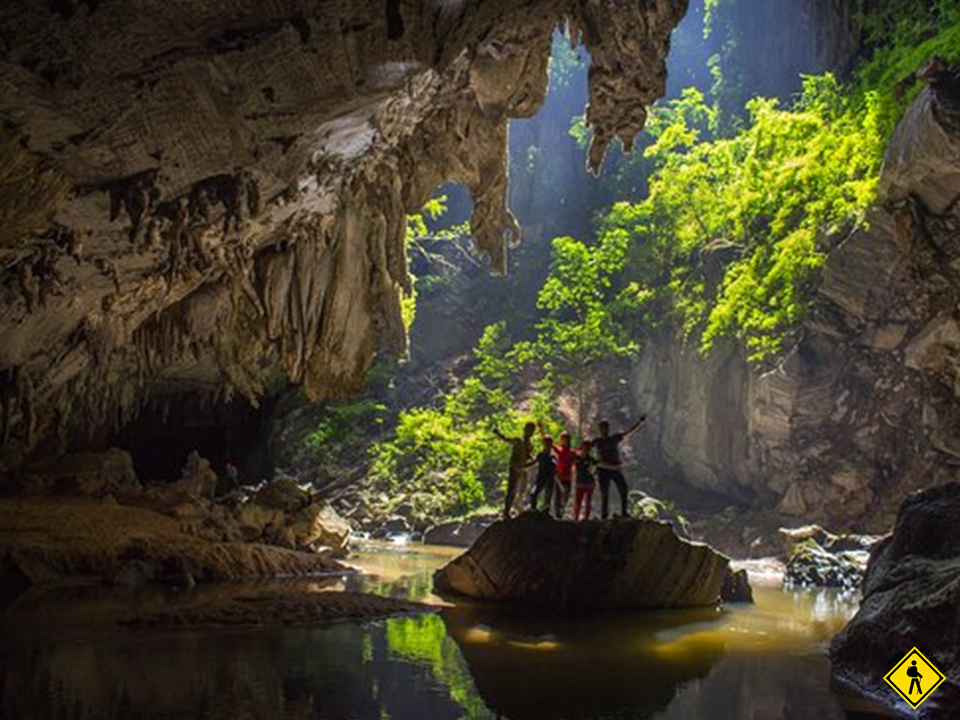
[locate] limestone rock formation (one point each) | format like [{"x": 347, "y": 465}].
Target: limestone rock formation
[
  {"x": 812, "y": 565},
  {"x": 83, "y": 473},
  {"x": 866, "y": 407},
  {"x": 911, "y": 598},
  {"x": 206, "y": 196},
  {"x": 792, "y": 537},
  {"x": 736, "y": 587},
  {"x": 278, "y": 513},
  {"x": 536, "y": 561},
  {"x": 51, "y": 539},
  {"x": 458, "y": 533}
]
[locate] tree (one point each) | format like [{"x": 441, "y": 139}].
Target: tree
[{"x": 587, "y": 313}]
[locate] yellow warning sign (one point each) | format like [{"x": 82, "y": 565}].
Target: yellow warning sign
[{"x": 914, "y": 678}]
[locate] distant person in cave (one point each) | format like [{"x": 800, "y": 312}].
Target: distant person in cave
[
  {"x": 546, "y": 475},
  {"x": 583, "y": 463},
  {"x": 565, "y": 454},
  {"x": 229, "y": 481},
  {"x": 521, "y": 450},
  {"x": 609, "y": 465}
]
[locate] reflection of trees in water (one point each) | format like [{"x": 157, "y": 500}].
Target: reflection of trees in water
[
  {"x": 676, "y": 665},
  {"x": 335, "y": 672},
  {"x": 424, "y": 640},
  {"x": 528, "y": 666}
]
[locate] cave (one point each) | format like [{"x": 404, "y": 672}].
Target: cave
[
  {"x": 294, "y": 297},
  {"x": 160, "y": 439}
]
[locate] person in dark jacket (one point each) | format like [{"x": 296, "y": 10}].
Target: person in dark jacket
[
  {"x": 546, "y": 475},
  {"x": 610, "y": 466}
]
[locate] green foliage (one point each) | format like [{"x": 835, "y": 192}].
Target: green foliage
[
  {"x": 446, "y": 460},
  {"x": 345, "y": 424},
  {"x": 734, "y": 231},
  {"x": 741, "y": 210},
  {"x": 418, "y": 232},
  {"x": 903, "y": 35},
  {"x": 587, "y": 312},
  {"x": 424, "y": 640}
]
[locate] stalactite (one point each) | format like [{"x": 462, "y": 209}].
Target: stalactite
[{"x": 246, "y": 259}]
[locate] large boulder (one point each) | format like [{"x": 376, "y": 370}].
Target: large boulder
[
  {"x": 83, "y": 473},
  {"x": 811, "y": 564},
  {"x": 458, "y": 533},
  {"x": 911, "y": 598},
  {"x": 736, "y": 587},
  {"x": 283, "y": 494},
  {"x": 320, "y": 526},
  {"x": 537, "y": 561},
  {"x": 197, "y": 478}
]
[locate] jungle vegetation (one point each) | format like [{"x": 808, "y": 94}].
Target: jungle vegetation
[{"x": 717, "y": 228}]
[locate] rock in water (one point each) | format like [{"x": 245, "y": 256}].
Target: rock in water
[
  {"x": 458, "y": 533},
  {"x": 736, "y": 587},
  {"x": 911, "y": 599},
  {"x": 537, "y": 561},
  {"x": 811, "y": 565}
]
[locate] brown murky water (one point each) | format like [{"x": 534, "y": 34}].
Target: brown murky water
[{"x": 468, "y": 661}]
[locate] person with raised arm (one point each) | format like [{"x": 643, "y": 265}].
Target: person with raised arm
[
  {"x": 521, "y": 450},
  {"x": 610, "y": 466}
]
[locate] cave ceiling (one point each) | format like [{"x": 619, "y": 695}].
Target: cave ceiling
[{"x": 210, "y": 195}]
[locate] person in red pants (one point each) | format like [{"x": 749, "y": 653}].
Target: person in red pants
[{"x": 583, "y": 464}]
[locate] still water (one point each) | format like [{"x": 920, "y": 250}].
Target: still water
[{"x": 61, "y": 658}]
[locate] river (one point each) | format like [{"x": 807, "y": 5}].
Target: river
[{"x": 62, "y": 658}]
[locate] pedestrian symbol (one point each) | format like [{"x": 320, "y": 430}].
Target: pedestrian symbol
[{"x": 914, "y": 678}]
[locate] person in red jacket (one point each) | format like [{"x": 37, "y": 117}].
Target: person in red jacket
[{"x": 565, "y": 455}]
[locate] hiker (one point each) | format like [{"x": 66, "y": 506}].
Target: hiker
[
  {"x": 546, "y": 475},
  {"x": 915, "y": 677},
  {"x": 582, "y": 462},
  {"x": 520, "y": 452},
  {"x": 565, "y": 455},
  {"x": 609, "y": 466}
]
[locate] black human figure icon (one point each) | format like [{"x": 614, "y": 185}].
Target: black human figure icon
[{"x": 913, "y": 673}]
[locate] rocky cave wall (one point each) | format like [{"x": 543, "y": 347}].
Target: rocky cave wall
[
  {"x": 866, "y": 408},
  {"x": 209, "y": 196}
]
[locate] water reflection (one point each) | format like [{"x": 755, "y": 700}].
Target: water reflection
[
  {"x": 468, "y": 663},
  {"x": 386, "y": 670},
  {"x": 526, "y": 667}
]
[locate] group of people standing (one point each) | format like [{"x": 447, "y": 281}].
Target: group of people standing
[{"x": 561, "y": 468}]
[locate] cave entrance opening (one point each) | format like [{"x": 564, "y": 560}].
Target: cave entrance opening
[{"x": 164, "y": 433}]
